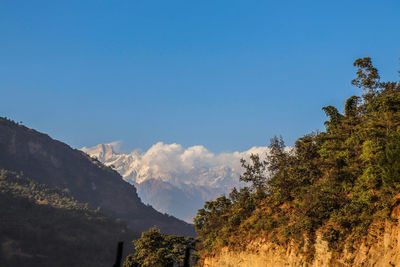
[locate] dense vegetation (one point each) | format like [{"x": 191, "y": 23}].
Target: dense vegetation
[
  {"x": 44, "y": 226},
  {"x": 338, "y": 181},
  {"x": 155, "y": 249}
]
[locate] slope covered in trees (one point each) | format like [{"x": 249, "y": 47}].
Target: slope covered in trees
[
  {"x": 44, "y": 226},
  {"x": 337, "y": 182},
  {"x": 54, "y": 163}
]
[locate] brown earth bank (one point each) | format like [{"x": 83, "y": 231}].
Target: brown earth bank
[{"x": 380, "y": 247}]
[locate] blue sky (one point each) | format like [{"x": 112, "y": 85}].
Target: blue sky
[{"x": 224, "y": 74}]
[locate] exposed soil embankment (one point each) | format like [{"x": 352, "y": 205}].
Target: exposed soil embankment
[{"x": 379, "y": 248}]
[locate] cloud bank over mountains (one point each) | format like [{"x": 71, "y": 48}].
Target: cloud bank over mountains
[
  {"x": 175, "y": 164},
  {"x": 175, "y": 179}
]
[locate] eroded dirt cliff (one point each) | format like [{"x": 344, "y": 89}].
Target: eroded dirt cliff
[{"x": 379, "y": 248}]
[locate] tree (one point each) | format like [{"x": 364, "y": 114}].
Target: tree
[
  {"x": 334, "y": 116},
  {"x": 155, "y": 249},
  {"x": 367, "y": 77},
  {"x": 254, "y": 173},
  {"x": 350, "y": 107}
]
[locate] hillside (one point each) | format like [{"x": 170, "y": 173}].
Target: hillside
[
  {"x": 54, "y": 163},
  {"x": 330, "y": 201},
  {"x": 43, "y": 226}
]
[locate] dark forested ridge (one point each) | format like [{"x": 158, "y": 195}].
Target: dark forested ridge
[
  {"x": 54, "y": 163},
  {"x": 44, "y": 226},
  {"x": 337, "y": 182}
]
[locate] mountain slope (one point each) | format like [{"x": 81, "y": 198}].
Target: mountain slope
[
  {"x": 43, "y": 226},
  {"x": 54, "y": 163},
  {"x": 181, "y": 202}
]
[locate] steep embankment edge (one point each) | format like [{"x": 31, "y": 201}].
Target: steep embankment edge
[{"x": 379, "y": 248}]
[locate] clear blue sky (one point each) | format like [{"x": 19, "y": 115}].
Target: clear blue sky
[{"x": 225, "y": 74}]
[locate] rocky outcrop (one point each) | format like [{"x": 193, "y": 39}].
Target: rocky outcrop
[{"x": 379, "y": 248}]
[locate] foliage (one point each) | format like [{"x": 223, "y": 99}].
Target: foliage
[
  {"x": 338, "y": 181},
  {"x": 155, "y": 249}
]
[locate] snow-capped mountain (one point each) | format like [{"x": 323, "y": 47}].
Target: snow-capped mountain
[{"x": 174, "y": 179}]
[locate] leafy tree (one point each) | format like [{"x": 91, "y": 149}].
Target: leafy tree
[
  {"x": 254, "y": 173},
  {"x": 209, "y": 220},
  {"x": 155, "y": 249},
  {"x": 389, "y": 162},
  {"x": 367, "y": 77},
  {"x": 351, "y": 105},
  {"x": 334, "y": 116}
]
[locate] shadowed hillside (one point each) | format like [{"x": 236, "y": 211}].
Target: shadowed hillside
[
  {"x": 43, "y": 226},
  {"x": 54, "y": 163}
]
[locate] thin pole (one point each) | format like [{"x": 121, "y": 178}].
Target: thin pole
[
  {"x": 187, "y": 257},
  {"x": 119, "y": 254}
]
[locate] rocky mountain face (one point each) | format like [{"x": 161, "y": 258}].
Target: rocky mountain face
[
  {"x": 54, "y": 163},
  {"x": 175, "y": 180}
]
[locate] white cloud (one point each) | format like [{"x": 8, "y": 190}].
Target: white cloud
[
  {"x": 195, "y": 170},
  {"x": 175, "y": 164}
]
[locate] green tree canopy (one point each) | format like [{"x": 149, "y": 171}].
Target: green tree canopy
[{"x": 155, "y": 249}]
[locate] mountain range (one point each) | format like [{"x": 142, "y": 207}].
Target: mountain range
[{"x": 174, "y": 179}]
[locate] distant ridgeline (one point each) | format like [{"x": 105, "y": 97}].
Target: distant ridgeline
[
  {"x": 55, "y": 164},
  {"x": 336, "y": 183},
  {"x": 43, "y": 226}
]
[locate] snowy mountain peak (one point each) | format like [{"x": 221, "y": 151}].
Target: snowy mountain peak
[
  {"x": 102, "y": 152},
  {"x": 174, "y": 164},
  {"x": 168, "y": 175}
]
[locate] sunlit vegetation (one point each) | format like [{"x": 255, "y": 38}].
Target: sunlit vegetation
[{"x": 338, "y": 181}]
